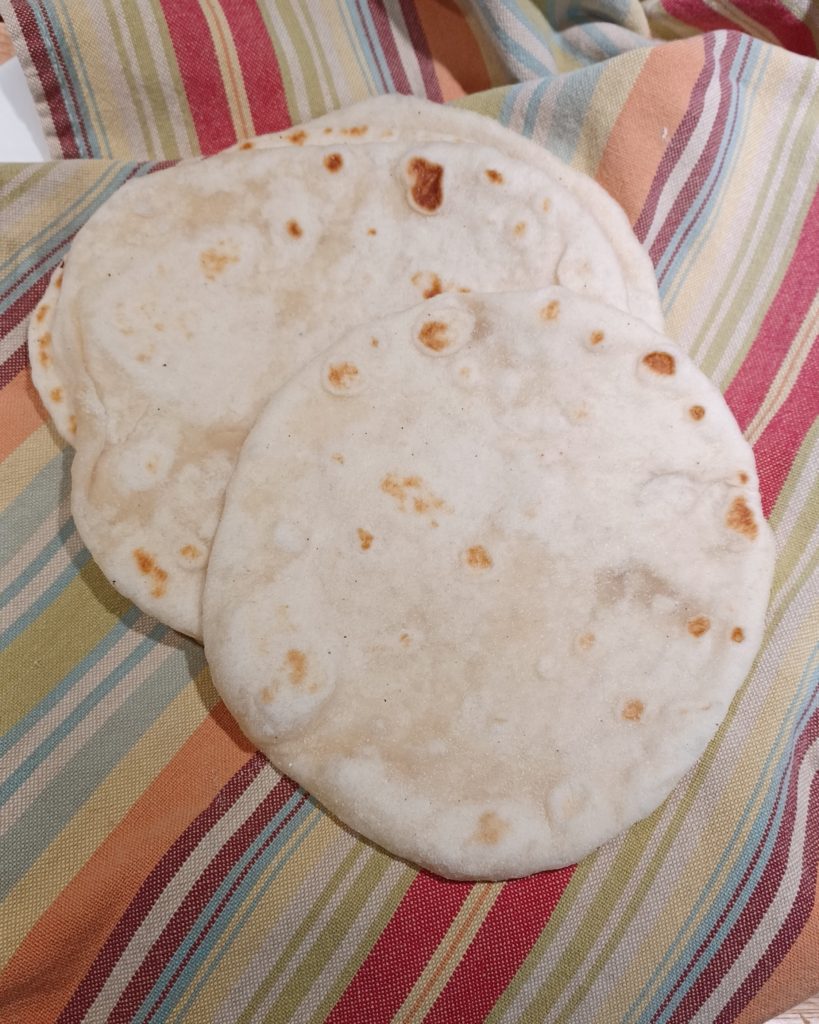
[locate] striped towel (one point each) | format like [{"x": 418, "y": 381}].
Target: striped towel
[{"x": 152, "y": 865}]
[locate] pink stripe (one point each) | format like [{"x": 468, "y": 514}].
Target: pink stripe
[
  {"x": 504, "y": 939},
  {"x": 388, "y": 47},
  {"x": 785, "y": 315},
  {"x": 786, "y": 28},
  {"x": 422, "y": 52},
  {"x": 678, "y": 143},
  {"x": 260, "y": 66},
  {"x": 699, "y": 173},
  {"x": 779, "y": 443},
  {"x": 402, "y": 950}
]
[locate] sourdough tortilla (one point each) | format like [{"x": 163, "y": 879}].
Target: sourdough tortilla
[
  {"x": 191, "y": 295},
  {"x": 488, "y": 575}
]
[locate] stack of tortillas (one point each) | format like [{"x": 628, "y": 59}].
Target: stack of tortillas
[{"x": 381, "y": 408}]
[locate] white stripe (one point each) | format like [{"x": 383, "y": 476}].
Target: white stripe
[
  {"x": 280, "y": 33},
  {"x": 406, "y": 51},
  {"x": 694, "y": 149}
]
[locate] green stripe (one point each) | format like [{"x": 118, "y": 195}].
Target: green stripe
[
  {"x": 89, "y": 98},
  {"x": 125, "y": 64},
  {"x": 307, "y": 65},
  {"x": 149, "y": 76},
  {"x": 179, "y": 89},
  {"x": 800, "y": 464},
  {"x": 65, "y": 633},
  {"x": 319, "y": 48},
  {"x": 315, "y": 960},
  {"x": 751, "y": 288},
  {"x": 281, "y": 56},
  {"x": 362, "y": 950}
]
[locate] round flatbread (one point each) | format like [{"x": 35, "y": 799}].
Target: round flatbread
[
  {"x": 193, "y": 294},
  {"x": 488, "y": 575}
]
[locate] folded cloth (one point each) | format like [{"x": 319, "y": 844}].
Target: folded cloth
[{"x": 152, "y": 865}]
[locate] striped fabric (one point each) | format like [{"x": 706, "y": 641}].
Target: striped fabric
[{"x": 153, "y": 867}]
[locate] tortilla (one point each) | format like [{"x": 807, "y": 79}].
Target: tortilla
[
  {"x": 191, "y": 295},
  {"x": 488, "y": 575}
]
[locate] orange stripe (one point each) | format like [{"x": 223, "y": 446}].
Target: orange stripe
[
  {"x": 459, "y": 64},
  {"x": 21, "y": 412},
  {"x": 60, "y": 948},
  {"x": 450, "y": 952},
  {"x": 656, "y": 104},
  {"x": 795, "y": 977}
]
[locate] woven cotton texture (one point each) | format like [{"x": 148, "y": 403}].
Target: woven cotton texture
[{"x": 152, "y": 865}]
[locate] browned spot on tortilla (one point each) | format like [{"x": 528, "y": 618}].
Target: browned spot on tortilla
[
  {"x": 374, "y": 342},
  {"x": 159, "y": 327},
  {"x": 143, "y": 357},
  {"x": 246, "y": 145},
  {"x": 56, "y": 394},
  {"x": 267, "y": 694},
  {"x": 398, "y": 488},
  {"x": 148, "y": 567},
  {"x": 596, "y": 337},
  {"x": 490, "y": 828},
  {"x": 328, "y": 131},
  {"x": 428, "y": 184},
  {"x": 550, "y": 311},
  {"x": 494, "y": 176},
  {"x": 366, "y": 539},
  {"x": 150, "y": 465},
  {"x": 737, "y": 634},
  {"x": 696, "y": 412},
  {"x": 297, "y": 138},
  {"x": 478, "y": 557},
  {"x": 405, "y": 639},
  {"x": 520, "y": 227},
  {"x": 741, "y": 518},
  {"x": 429, "y": 283},
  {"x": 296, "y": 665},
  {"x": 338, "y": 457},
  {"x": 464, "y": 290},
  {"x": 371, "y": 231},
  {"x": 44, "y": 359},
  {"x": 44, "y": 341},
  {"x": 586, "y": 641},
  {"x": 333, "y": 162},
  {"x": 743, "y": 477},
  {"x": 58, "y": 280},
  {"x": 633, "y": 711},
  {"x": 699, "y": 626},
  {"x": 214, "y": 261},
  {"x": 72, "y": 425},
  {"x": 189, "y": 551},
  {"x": 341, "y": 375},
  {"x": 547, "y": 205},
  {"x": 356, "y": 130},
  {"x": 294, "y": 229},
  {"x": 660, "y": 362},
  {"x": 42, "y": 310},
  {"x": 433, "y": 335}
]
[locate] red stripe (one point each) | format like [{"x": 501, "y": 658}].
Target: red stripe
[
  {"x": 779, "y": 443},
  {"x": 503, "y": 941},
  {"x": 394, "y": 63},
  {"x": 260, "y": 66},
  {"x": 678, "y": 143},
  {"x": 796, "y": 918},
  {"x": 401, "y": 952},
  {"x": 41, "y": 58},
  {"x": 781, "y": 324},
  {"x": 422, "y": 52},
  {"x": 156, "y": 882},
  {"x": 702, "y": 168},
  {"x": 194, "y": 901},
  {"x": 780, "y": 22},
  {"x": 766, "y": 888},
  {"x": 199, "y": 68}
]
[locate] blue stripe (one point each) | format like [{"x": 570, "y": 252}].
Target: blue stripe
[
  {"x": 87, "y": 768},
  {"x": 56, "y": 64},
  {"x": 65, "y": 532},
  {"x": 370, "y": 44},
  {"x": 54, "y": 696},
  {"x": 533, "y": 106},
  {"x": 87, "y": 90},
  {"x": 255, "y": 859},
  {"x": 806, "y": 697},
  {"x": 694, "y": 221},
  {"x": 47, "y": 490},
  {"x": 204, "y": 967},
  {"x": 511, "y": 47},
  {"x": 358, "y": 50}
]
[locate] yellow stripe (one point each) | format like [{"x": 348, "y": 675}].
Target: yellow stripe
[
  {"x": 230, "y": 69},
  {"x": 449, "y": 953},
  {"x": 102, "y": 812},
  {"x": 25, "y": 462}
]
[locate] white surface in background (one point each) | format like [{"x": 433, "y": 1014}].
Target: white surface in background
[{"x": 21, "y": 137}]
